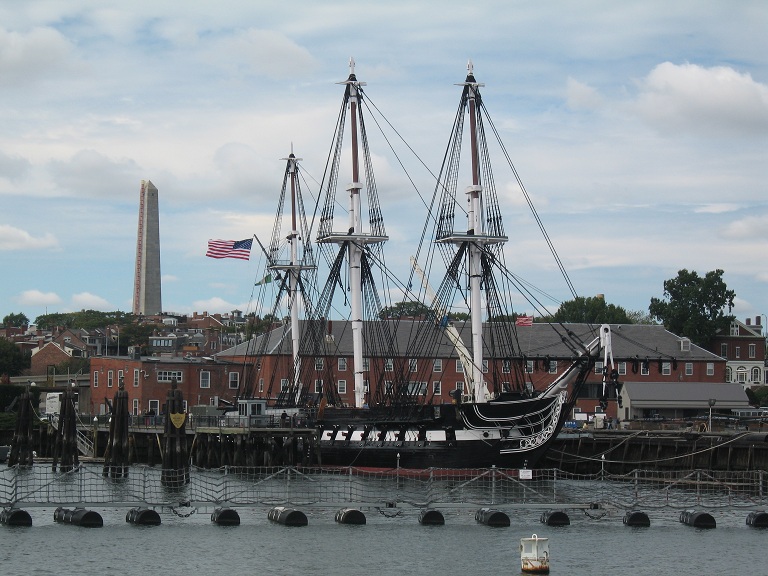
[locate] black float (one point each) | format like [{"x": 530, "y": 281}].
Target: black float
[
  {"x": 636, "y": 518},
  {"x": 78, "y": 517},
  {"x": 431, "y": 517},
  {"x": 225, "y": 517},
  {"x": 350, "y": 516},
  {"x": 757, "y": 519},
  {"x": 491, "y": 517},
  {"x": 697, "y": 519},
  {"x": 15, "y": 517},
  {"x": 287, "y": 516},
  {"x": 143, "y": 517},
  {"x": 555, "y": 518}
]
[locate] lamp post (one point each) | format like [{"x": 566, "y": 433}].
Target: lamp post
[{"x": 712, "y": 402}]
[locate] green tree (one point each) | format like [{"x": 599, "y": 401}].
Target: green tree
[
  {"x": 12, "y": 360},
  {"x": 694, "y": 306},
  {"x": 405, "y": 309},
  {"x": 18, "y": 320},
  {"x": 593, "y": 310},
  {"x": 761, "y": 395}
]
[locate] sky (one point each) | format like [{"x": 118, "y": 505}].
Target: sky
[{"x": 639, "y": 129}]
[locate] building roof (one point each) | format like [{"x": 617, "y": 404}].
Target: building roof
[
  {"x": 629, "y": 341},
  {"x": 727, "y": 395}
]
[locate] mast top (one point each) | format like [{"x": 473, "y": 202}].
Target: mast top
[
  {"x": 470, "y": 81},
  {"x": 352, "y": 77}
]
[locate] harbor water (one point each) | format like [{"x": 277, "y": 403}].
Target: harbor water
[{"x": 596, "y": 543}]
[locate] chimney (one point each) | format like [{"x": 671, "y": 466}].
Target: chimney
[
  {"x": 757, "y": 320},
  {"x": 749, "y": 321}
]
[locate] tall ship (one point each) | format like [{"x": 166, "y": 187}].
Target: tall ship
[{"x": 365, "y": 354}]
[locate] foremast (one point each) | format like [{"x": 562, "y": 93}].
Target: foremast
[{"x": 300, "y": 258}]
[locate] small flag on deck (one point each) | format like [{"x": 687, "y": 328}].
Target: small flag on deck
[
  {"x": 240, "y": 249},
  {"x": 524, "y": 321}
]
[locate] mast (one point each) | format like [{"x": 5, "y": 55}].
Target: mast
[
  {"x": 476, "y": 239},
  {"x": 475, "y": 227},
  {"x": 354, "y": 239},
  {"x": 299, "y": 259}
]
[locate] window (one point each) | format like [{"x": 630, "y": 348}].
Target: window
[
  {"x": 388, "y": 386},
  {"x": 728, "y": 374},
  {"x": 234, "y": 380},
  {"x": 261, "y": 384},
  {"x": 529, "y": 366},
  {"x": 689, "y": 368},
  {"x": 756, "y": 374},
  {"x": 412, "y": 364},
  {"x": 342, "y": 363},
  {"x": 737, "y": 351},
  {"x": 318, "y": 363},
  {"x": 136, "y": 376},
  {"x": 644, "y": 369},
  {"x": 485, "y": 366},
  {"x": 724, "y": 350},
  {"x": 95, "y": 379},
  {"x": 622, "y": 368},
  {"x": 666, "y": 368},
  {"x": 506, "y": 366},
  {"x": 283, "y": 384},
  {"x": 752, "y": 350},
  {"x": 710, "y": 368},
  {"x": 436, "y": 388},
  {"x": 437, "y": 365},
  {"x": 741, "y": 374},
  {"x": 154, "y": 406},
  {"x": 318, "y": 386},
  {"x": 417, "y": 388},
  {"x": 110, "y": 378},
  {"x": 341, "y": 386},
  {"x": 459, "y": 367},
  {"x": 366, "y": 364},
  {"x": 169, "y": 375},
  {"x": 598, "y": 367},
  {"x": 205, "y": 379},
  {"x": 389, "y": 365},
  {"x": 460, "y": 386},
  {"x": 120, "y": 377},
  {"x": 366, "y": 386},
  {"x": 553, "y": 366},
  {"x": 135, "y": 406}
]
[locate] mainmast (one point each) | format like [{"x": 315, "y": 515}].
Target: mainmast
[
  {"x": 476, "y": 237},
  {"x": 355, "y": 238}
]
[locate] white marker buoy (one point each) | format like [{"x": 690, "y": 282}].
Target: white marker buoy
[{"x": 534, "y": 555}]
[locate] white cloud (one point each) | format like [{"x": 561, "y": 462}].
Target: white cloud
[
  {"x": 717, "y": 208},
  {"x": 13, "y": 167},
  {"x": 12, "y": 238},
  {"x": 90, "y": 173},
  {"x": 750, "y": 227},
  {"x": 29, "y": 57},
  {"x": 580, "y": 96},
  {"x": 88, "y": 301},
  {"x": 38, "y": 298},
  {"x": 692, "y": 99},
  {"x": 213, "y": 305}
]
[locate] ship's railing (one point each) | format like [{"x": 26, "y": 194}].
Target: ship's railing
[{"x": 86, "y": 485}]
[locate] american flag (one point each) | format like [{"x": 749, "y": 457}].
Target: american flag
[
  {"x": 240, "y": 249},
  {"x": 524, "y": 321}
]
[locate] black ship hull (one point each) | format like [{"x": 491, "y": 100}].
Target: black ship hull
[{"x": 505, "y": 434}]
